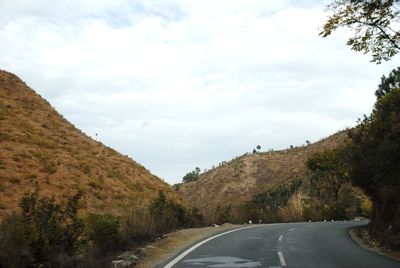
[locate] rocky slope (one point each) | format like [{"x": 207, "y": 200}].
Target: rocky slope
[{"x": 41, "y": 150}]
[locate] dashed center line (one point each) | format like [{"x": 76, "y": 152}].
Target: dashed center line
[
  {"x": 291, "y": 229},
  {"x": 280, "y": 238},
  {"x": 282, "y": 260}
]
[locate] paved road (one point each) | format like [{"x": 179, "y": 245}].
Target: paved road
[{"x": 320, "y": 245}]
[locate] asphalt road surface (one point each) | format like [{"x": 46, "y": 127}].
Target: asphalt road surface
[{"x": 320, "y": 245}]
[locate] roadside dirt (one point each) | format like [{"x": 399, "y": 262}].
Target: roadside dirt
[
  {"x": 361, "y": 237},
  {"x": 173, "y": 243}
]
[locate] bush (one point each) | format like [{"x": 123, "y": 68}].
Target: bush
[
  {"x": 103, "y": 233},
  {"x": 168, "y": 215},
  {"x": 43, "y": 234},
  {"x": 14, "y": 249}
]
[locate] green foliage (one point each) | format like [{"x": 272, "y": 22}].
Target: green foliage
[
  {"x": 168, "y": 215},
  {"x": 275, "y": 198},
  {"x": 364, "y": 207},
  {"x": 388, "y": 83},
  {"x": 374, "y": 156},
  {"x": 265, "y": 205},
  {"x": 374, "y": 151},
  {"x": 375, "y": 25},
  {"x": 103, "y": 233},
  {"x": 43, "y": 234},
  {"x": 191, "y": 176},
  {"x": 328, "y": 173}
]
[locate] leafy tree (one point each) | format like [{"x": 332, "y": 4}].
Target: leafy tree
[
  {"x": 388, "y": 83},
  {"x": 375, "y": 24},
  {"x": 329, "y": 171},
  {"x": 258, "y": 147},
  {"x": 192, "y": 176},
  {"x": 374, "y": 157}
]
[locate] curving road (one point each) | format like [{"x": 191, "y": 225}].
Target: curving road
[{"x": 320, "y": 245}]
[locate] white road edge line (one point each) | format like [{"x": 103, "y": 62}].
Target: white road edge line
[
  {"x": 186, "y": 252},
  {"x": 283, "y": 263},
  {"x": 280, "y": 238}
]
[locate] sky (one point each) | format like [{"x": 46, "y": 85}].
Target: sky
[{"x": 179, "y": 84}]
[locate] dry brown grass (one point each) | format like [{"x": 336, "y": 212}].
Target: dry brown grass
[
  {"x": 40, "y": 149},
  {"x": 238, "y": 180},
  {"x": 294, "y": 211}
]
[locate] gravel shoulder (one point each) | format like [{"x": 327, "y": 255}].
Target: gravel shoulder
[{"x": 174, "y": 242}]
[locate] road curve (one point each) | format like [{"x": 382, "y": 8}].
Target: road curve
[{"x": 320, "y": 245}]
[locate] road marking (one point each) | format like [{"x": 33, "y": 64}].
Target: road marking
[
  {"x": 283, "y": 263},
  {"x": 291, "y": 229},
  {"x": 186, "y": 252},
  {"x": 280, "y": 238}
]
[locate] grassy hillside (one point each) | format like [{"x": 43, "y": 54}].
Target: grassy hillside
[
  {"x": 238, "y": 180},
  {"x": 39, "y": 149}
]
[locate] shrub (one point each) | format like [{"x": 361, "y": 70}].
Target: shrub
[
  {"x": 168, "y": 215},
  {"x": 103, "y": 232},
  {"x": 103, "y": 239},
  {"x": 44, "y": 233}
]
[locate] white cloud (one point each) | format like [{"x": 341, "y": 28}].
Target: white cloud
[{"x": 178, "y": 84}]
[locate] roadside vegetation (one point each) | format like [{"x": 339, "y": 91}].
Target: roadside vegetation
[
  {"x": 373, "y": 154},
  {"x": 47, "y": 233}
]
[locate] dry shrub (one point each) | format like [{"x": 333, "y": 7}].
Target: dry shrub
[{"x": 294, "y": 211}]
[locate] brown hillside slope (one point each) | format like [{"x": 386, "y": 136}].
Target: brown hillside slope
[
  {"x": 40, "y": 149},
  {"x": 238, "y": 180}
]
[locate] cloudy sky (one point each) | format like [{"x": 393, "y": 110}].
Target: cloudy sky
[{"x": 177, "y": 84}]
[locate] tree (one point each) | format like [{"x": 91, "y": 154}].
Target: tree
[
  {"x": 388, "y": 83},
  {"x": 192, "y": 175},
  {"x": 258, "y": 147},
  {"x": 374, "y": 157},
  {"x": 375, "y": 24},
  {"x": 329, "y": 171}
]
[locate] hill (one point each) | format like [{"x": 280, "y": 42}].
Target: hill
[
  {"x": 236, "y": 181},
  {"x": 39, "y": 149}
]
